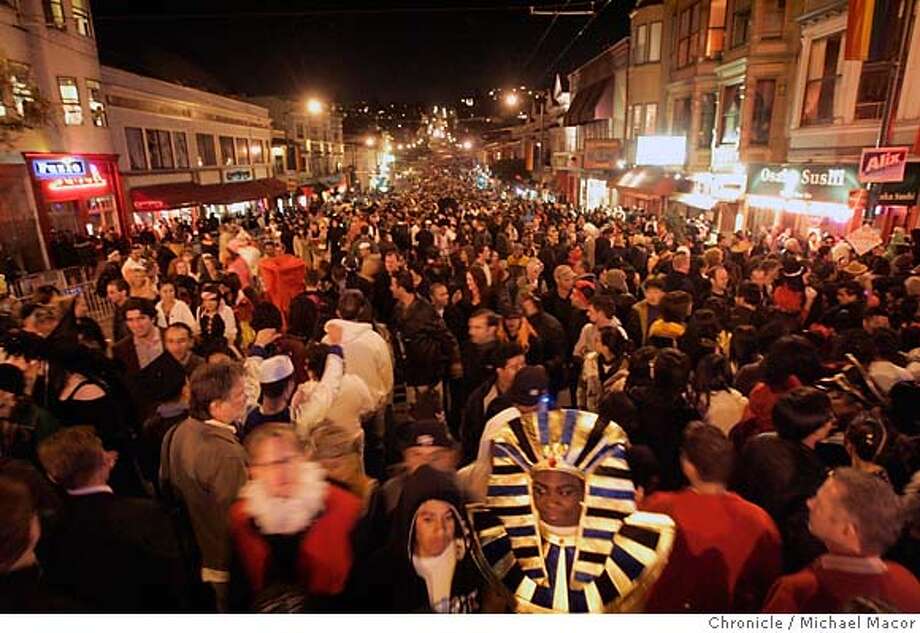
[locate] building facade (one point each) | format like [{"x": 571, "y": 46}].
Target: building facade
[
  {"x": 308, "y": 148},
  {"x": 58, "y": 173},
  {"x": 185, "y": 152}
]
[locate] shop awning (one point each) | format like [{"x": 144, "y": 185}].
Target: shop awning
[
  {"x": 230, "y": 192},
  {"x": 186, "y": 194},
  {"x": 593, "y": 102},
  {"x": 649, "y": 181},
  {"x": 696, "y": 200},
  {"x": 169, "y": 196}
]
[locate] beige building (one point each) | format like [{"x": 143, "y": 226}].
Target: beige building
[
  {"x": 186, "y": 152},
  {"x": 58, "y": 177}
]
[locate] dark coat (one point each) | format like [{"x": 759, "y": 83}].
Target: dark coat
[
  {"x": 474, "y": 421},
  {"x": 780, "y": 476},
  {"x": 116, "y": 554},
  {"x": 425, "y": 345},
  {"x": 389, "y": 582}
]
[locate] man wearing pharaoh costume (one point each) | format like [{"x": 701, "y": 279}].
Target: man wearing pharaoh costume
[{"x": 559, "y": 530}]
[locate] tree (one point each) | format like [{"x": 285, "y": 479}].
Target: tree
[{"x": 37, "y": 111}]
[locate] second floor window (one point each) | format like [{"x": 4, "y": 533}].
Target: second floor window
[
  {"x": 70, "y": 100},
  {"x": 96, "y": 104},
  {"x": 159, "y": 148},
  {"x": 181, "y": 149},
  {"x": 54, "y": 13},
  {"x": 227, "y": 151},
  {"x": 206, "y": 155},
  {"x": 80, "y": 10},
  {"x": 242, "y": 151},
  {"x": 680, "y": 121},
  {"x": 21, "y": 86},
  {"x": 715, "y": 34},
  {"x": 137, "y": 154},
  {"x": 707, "y": 120},
  {"x": 763, "y": 111},
  {"x": 730, "y": 130},
  {"x": 255, "y": 150},
  {"x": 821, "y": 80}
]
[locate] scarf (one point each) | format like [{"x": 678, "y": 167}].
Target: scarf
[
  {"x": 287, "y": 515},
  {"x": 438, "y": 572}
]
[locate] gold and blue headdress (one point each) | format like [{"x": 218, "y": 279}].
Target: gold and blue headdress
[{"x": 615, "y": 554}]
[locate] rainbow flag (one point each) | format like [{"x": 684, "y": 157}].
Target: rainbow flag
[{"x": 860, "y": 14}]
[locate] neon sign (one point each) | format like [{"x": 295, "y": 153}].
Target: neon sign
[
  {"x": 48, "y": 168},
  {"x": 93, "y": 180}
]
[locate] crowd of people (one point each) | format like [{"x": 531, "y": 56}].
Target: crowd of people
[{"x": 450, "y": 399}]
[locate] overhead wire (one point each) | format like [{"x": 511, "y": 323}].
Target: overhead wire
[
  {"x": 572, "y": 42},
  {"x": 536, "y": 48}
]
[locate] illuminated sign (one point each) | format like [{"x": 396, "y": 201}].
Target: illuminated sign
[
  {"x": 883, "y": 164},
  {"x": 601, "y": 153},
  {"x": 74, "y": 183},
  {"x": 237, "y": 175},
  {"x": 822, "y": 183},
  {"x": 665, "y": 151},
  {"x": 53, "y": 168}
]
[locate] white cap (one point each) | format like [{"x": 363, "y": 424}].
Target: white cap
[{"x": 275, "y": 368}]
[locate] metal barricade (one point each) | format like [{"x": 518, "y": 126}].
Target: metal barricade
[{"x": 100, "y": 308}]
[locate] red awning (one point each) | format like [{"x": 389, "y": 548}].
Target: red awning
[
  {"x": 186, "y": 194},
  {"x": 593, "y": 102},
  {"x": 169, "y": 196},
  {"x": 650, "y": 181}
]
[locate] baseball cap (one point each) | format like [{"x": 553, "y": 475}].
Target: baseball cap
[
  {"x": 528, "y": 385},
  {"x": 275, "y": 368},
  {"x": 424, "y": 433}
]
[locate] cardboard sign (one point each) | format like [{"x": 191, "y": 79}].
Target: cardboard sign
[
  {"x": 883, "y": 164},
  {"x": 864, "y": 239}
]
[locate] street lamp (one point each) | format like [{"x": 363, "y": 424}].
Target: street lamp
[
  {"x": 369, "y": 141},
  {"x": 511, "y": 100},
  {"x": 314, "y": 106},
  {"x": 467, "y": 144}
]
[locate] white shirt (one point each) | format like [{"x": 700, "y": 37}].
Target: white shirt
[{"x": 180, "y": 313}]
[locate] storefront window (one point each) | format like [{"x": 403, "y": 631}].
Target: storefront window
[
  {"x": 137, "y": 154},
  {"x": 181, "y": 150},
  {"x": 80, "y": 10},
  {"x": 54, "y": 13},
  {"x": 731, "y": 114},
  {"x": 227, "y": 151},
  {"x": 70, "y": 100},
  {"x": 206, "y": 155},
  {"x": 821, "y": 81},
  {"x": 763, "y": 110},
  {"x": 96, "y": 105},
  {"x": 242, "y": 151},
  {"x": 159, "y": 148},
  {"x": 707, "y": 120}
]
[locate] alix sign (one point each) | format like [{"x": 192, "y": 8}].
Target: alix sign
[{"x": 883, "y": 164}]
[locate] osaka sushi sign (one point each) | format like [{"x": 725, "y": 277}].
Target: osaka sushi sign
[{"x": 883, "y": 164}]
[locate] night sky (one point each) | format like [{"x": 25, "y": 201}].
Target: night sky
[{"x": 349, "y": 50}]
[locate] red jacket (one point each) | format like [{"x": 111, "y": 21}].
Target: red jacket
[
  {"x": 725, "y": 557},
  {"x": 820, "y": 588},
  {"x": 325, "y": 552}
]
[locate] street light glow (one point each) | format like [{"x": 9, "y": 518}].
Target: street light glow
[
  {"x": 314, "y": 106},
  {"x": 511, "y": 100},
  {"x": 467, "y": 144},
  {"x": 369, "y": 141}
]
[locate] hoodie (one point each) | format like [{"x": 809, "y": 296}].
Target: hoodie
[
  {"x": 367, "y": 356},
  {"x": 396, "y": 581}
]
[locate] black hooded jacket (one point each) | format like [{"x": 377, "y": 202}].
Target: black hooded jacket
[{"x": 389, "y": 582}]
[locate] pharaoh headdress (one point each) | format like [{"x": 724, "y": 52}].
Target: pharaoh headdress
[{"x": 618, "y": 552}]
